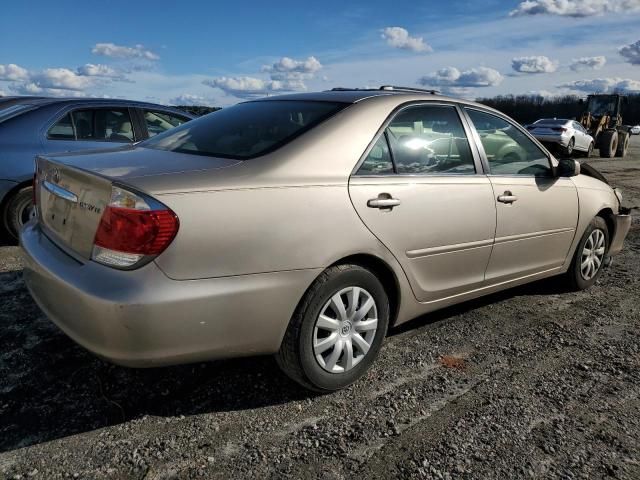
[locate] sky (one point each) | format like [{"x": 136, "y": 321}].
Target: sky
[{"x": 217, "y": 54}]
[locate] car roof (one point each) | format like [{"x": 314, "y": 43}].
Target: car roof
[
  {"x": 555, "y": 120},
  {"x": 357, "y": 95},
  {"x": 44, "y": 101}
]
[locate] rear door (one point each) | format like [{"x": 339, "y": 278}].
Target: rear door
[
  {"x": 420, "y": 189},
  {"x": 90, "y": 128},
  {"x": 537, "y": 213}
]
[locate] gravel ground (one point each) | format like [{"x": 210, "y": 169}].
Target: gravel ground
[{"x": 534, "y": 382}]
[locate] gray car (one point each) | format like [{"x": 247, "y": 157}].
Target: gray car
[
  {"x": 305, "y": 226},
  {"x": 35, "y": 125}
]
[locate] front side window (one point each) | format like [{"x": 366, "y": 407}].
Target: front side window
[
  {"x": 158, "y": 122},
  {"x": 429, "y": 140},
  {"x": 246, "y": 130},
  {"x": 508, "y": 150}
]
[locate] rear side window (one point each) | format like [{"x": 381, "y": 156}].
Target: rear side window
[
  {"x": 100, "y": 125},
  {"x": 245, "y": 130},
  {"x": 63, "y": 129},
  {"x": 158, "y": 122}
]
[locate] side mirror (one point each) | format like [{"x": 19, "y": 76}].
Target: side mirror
[{"x": 567, "y": 167}]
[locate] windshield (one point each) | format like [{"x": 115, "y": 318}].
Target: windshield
[
  {"x": 14, "y": 110},
  {"x": 602, "y": 105},
  {"x": 246, "y": 130}
]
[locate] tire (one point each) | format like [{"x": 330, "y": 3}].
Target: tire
[
  {"x": 608, "y": 143},
  {"x": 623, "y": 144},
  {"x": 17, "y": 211},
  {"x": 300, "y": 356},
  {"x": 589, "y": 151},
  {"x": 575, "y": 275},
  {"x": 568, "y": 150}
]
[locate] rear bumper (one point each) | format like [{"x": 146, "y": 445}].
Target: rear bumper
[
  {"x": 621, "y": 229},
  {"x": 553, "y": 139},
  {"x": 142, "y": 318}
]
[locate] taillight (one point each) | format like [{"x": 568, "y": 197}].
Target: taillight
[
  {"x": 559, "y": 129},
  {"x": 132, "y": 229}
]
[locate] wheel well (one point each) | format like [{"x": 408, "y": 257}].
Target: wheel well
[
  {"x": 607, "y": 215},
  {"x": 11, "y": 193},
  {"x": 386, "y": 275}
]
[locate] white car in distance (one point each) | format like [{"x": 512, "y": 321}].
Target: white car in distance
[{"x": 567, "y": 135}]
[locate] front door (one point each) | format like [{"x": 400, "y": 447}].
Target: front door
[
  {"x": 420, "y": 190},
  {"x": 537, "y": 212}
]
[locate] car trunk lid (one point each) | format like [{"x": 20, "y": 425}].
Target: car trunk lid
[{"x": 70, "y": 202}]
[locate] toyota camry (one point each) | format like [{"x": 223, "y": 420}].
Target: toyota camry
[{"x": 305, "y": 226}]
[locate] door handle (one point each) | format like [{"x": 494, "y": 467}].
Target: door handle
[
  {"x": 383, "y": 202},
  {"x": 507, "y": 197}
]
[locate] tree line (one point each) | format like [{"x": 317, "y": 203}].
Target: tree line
[
  {"x": 529, "y": 108},
  {"x": 523, "y": 108}
]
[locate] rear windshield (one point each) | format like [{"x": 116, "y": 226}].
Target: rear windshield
[
  {"x": 551, "y": 121},
  {"x": 246, "y": 130},
  {"x": 14, "y": 110}
]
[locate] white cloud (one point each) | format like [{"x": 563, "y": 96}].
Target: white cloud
[
  {"x": 293, "y": 72},
  {"x": 452, "y": 77},
  {"x": 3, "y": 93},
  {"x": 120, "y": 51},
  {"x": 604, "y": 85},
  {"x": 98, "y": 70},
  {"x": 631, "y": 53},
  {"x": 61, "y": 78},
  {"x": 399, "y": 37},
  {"x": 13, "y": 72},
  {"x": 251, "y": 87},
  {"x": 534, "y": 64},
  {"x": 31, "y": 88},
  {"x": 190, "y": 99},
  {"x": 574, "y": 8},
  {"x": 586, "y": 63}
]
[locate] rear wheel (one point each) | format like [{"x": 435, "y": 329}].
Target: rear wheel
[
  {"x": 337, "y": 329},
  {"x": 623, "y": 144},
  {"x": 568, "y": 150},
  {"x": 17, "y": 212},
  {"x": 608, "y": 143},
  {"x": 589, "y": 257}
]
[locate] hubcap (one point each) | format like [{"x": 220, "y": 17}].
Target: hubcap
[
  {"x": 345, "y": 330},
  {"x": 592, "y": 254}
]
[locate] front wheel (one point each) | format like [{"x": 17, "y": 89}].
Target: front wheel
[
  {"x": 608, "y": 143},
  {"x": 589, "y": 257},
  {"x": 589, "y": 151},
  {"x": 17, "y": 211},
  {"x": 337, "y": 330}
]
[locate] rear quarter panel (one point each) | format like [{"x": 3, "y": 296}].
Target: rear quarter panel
[{"x": 256, "y": 230}]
